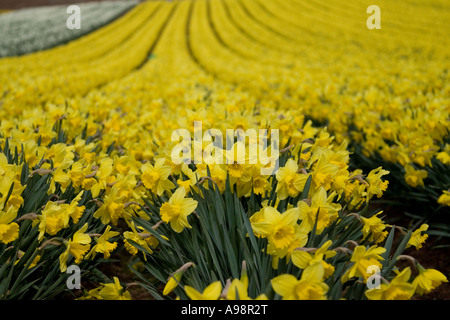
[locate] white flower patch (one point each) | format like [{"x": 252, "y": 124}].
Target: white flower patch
[{"x": 38, "y": 28}]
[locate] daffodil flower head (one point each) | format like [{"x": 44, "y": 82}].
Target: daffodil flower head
[
  {"x": 309, "y": 287},
  {"x": 375, "y": 227},
  {"x": 211, "y": 292},
  {"x": 238, "y": 290},
  {"x": 108, "y": 291},
  {"x": 75, "y": 211},
  {"x": 156, "y": 177},
  {"x": 112, "y": 208},
  {"x": 322, "y": 208},
  {"x": 9, "y": 231},
  {"x": 113, "y": 291},
  {"x": 323, "y": 173},
  {"x": 140, "y": 239},
  {"x": 103, "y": 245},
  {"x": 175, "y": 278},
  {"x": 376, "y": 185},
  {"x": 54, "y": 217},
  {"x": 398, "y": 289},
  {"x": 427, "y": 280},
  {"x": 279, "y": 228},
  {"x": 444, "y": 198},
  {"x": 77, "y": 247},
  {"x": 177, "y": 209},
  {"x": 303, "y": 259},
  {"x": 290, "y": 183},
  {"x": 414, "y": 177},
  {"x": 362, "y": 258},
  {"x": 417, "y": 238}
]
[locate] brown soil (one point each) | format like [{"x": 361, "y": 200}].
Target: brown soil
[
  {"x": 434, "y": 258},
  {"x": 434, "y": 254},
  {"x": 121, "y": 270}
]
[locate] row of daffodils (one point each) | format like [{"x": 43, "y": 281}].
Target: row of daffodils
[
  {"x": 93, "y": 167},
  {"x": 38, "y": 28}
]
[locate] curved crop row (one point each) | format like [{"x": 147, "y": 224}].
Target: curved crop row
[{"x": 34, "y": 29}]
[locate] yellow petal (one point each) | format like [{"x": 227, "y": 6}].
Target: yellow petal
[
  {"x": 192, "y": 293},
  {"x": 8, "y": 216},
  {"x": 290, "y": 216},
  {"x": 301, "y": 259},
  {"x": 178, "y": 196},
  {"x": 213, "y": 291},
  {"x": 9, "y": 232},
  {"x": 284, "y": 284},
  {"x": 188, "y": 206}
]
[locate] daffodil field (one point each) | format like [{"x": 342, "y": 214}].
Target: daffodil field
[{"x": 354, "y": 119}]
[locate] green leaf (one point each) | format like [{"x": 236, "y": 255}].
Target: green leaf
[
  {"x": 305, "y": 191},
  {"x": 401, "y": 247},
  {"x": 8, "y": 195},
  {"x": 312, "y": 235},
  {"x": 388, "y": 246}
]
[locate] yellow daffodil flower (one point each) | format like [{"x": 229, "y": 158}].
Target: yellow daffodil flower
[
  {"x": 290, "y": 183},
  {"x": 156, "y": 177},
  {"x": 53, "y": 218},
  {"x": 279, "y": 228},
  {"x": 362, "y": 258},
  {"x": 112, "y": 209},
  {"x": 177, "y": 209},
  {"x": 374, "y": 227},
  {"x": 9, "y": 231},
  {"x": 309, "y": 287},
  {"x": 398, "y": 289},
  {"x": 444, "y": 198},
  {"x": 427, "y": 280},
  {"x": 211, "y": 292},
  {"x": 114, "y": 291},
  {"x": 417, "y": 238},
  {"x": 376, "y": 185},
  {"x": 77, "y": 247},
  {"x": 322, "y": 208},
  {"x": 414, "y": 177},
  {"x": 303, "y": 259},
  {"x": 175, "y": 278},
  {"x": 103, "y": 245}
]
